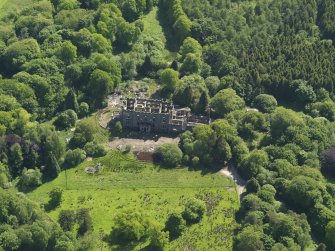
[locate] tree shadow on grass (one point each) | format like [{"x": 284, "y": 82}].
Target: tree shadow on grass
[
  {"x": 131, "y": 247},
  {"x": 48, "y": 207},
  {"x": 133, "y": 134},
  {"x": 115, "y": 244},
  {"x": 151, "y": 248},
  {"x": 26, "y": 189},
  {"x": 125, "y": 247},
  {"x": 171, "y": 42},
  {"x": 204, "y": 169}
]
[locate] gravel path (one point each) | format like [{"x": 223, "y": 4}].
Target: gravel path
[{"x": 231, "y": 172}]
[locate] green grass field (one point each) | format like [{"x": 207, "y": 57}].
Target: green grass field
[
  {"x": 153, "y": 28},
  {"x": 126, "y": 183}
]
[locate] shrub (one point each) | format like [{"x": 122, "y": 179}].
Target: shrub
[
  {"x": 127, "y": 149},
  {"x": 118, "y": 127},
  {"x": 170, "y": 154},
  {"x": 250, "y": 238},
  {"x": 252, "y": 186},
  {"x": 9, "y": 240},
  {"x": 158, "y": 239},
  {"x": 129, "y": 226},
  {"x": 169, "y": 80},
  {"x": 140, "y": 24},
  {"x": 212, "y": 83},
  {"x": 186, "y": 159},
  {"x": 324, "y": 109},
  {"x": 74, "y": 157},
  {"x": 265, "y": 103},
  {"x": 55, "y": 197},
  {"x": 195, "y": 161},
  {"x": 253, "y": 164},
  {"x": 266, "y": 196},
  {"x": 84, "y": 220},
  {"x": 66, "y": 120},
  {"x": 83, "y": 109},
  {"x": 4, "y": 181},
  {"x": 30, "y": 178},
  {"x": 67, "y": 219},
  {"x": 175, "y": 224},
  {"x": 86, "y": 242},
  {"x": 194, "y": 211},
  {"x": 192, "y": 64},
  {"x": 95, "y": 150},
  {"x": 226, "y": 101},
  {"x": 84, "y": 133}
]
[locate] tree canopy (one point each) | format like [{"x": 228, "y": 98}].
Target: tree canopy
[{"x": 61, "y": 59}]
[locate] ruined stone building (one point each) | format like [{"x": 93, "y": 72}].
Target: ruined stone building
[{"x": 151, "y": 115}]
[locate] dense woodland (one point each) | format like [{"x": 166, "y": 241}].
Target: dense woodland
[{"x": 61, "y": 58}]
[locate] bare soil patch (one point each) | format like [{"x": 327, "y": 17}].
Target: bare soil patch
[{"x": 231, "y": 172}]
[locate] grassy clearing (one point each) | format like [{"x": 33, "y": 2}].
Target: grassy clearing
[
  {"x": 153, "y": 28},
  {"x": 126, "y": 183},
  {"x": 101, "y": 135},
  {"x": 123, "y": 171}
]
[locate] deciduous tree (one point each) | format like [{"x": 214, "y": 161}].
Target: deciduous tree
[{"x": 226, "y": 101}]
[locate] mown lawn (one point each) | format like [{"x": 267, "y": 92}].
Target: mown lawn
[{"x": 126, "y": 183}]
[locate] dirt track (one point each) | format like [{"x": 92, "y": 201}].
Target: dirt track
[{"x": 231, "y": 172}]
